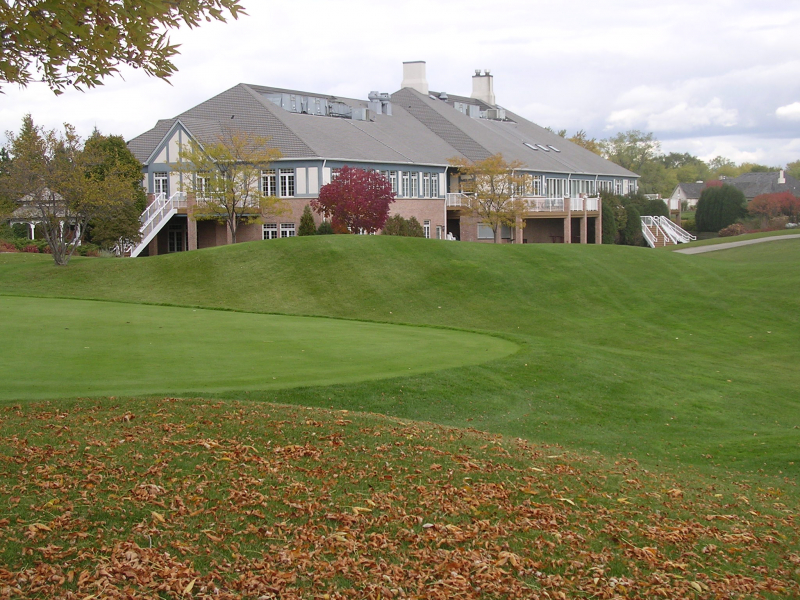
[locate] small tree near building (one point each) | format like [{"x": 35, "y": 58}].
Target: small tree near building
[
  {"x": 356, "y": 201},
  {"x": 490, "y": 186},
  {"x": 225, "y": 177},
  {"x": 397, "y": 225},
  {"x": 307, "y": 226}
]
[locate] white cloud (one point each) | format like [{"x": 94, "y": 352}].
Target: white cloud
[{"x": 790, "y": 112}]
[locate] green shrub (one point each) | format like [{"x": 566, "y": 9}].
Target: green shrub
[
  {"x": 655, "y": 208},
  {"x": 688, "y": 224},
  {"x": 632, "y": 233},
  {"x": 325, "y": 228},
  {"x": 609, "y": 222},
  {"x": 719, "y": 207},
  {"x": 397, "y": 225},
  {"x": 307, "y": 226}
]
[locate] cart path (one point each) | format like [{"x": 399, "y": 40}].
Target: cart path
[{"x": 701, "y": 249}]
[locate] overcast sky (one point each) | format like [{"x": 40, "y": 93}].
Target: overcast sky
[{"x": 706, "y": 77}]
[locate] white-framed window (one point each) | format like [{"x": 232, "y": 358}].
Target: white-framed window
[
  {"x": 434, "y": 185},
  {"x": 393, "y": 180},
  {"x": 287, "y": 183},
  {"x": 426, "y": 185},
  {"x": 201, "y": 187},
  {"x": 556, "y": 188},
  {"x": 415, "y": 185},
  {"x": 438, "y": 232},
  {"x": 406, "y": 184},
  {"x": 426, "y": 228},
  {"x": 161, "y": 183},
  {"x": 618, "y": 187},
  {"x": 269, "y": 231},
  {"x": 269, "y": 183},
  {"x": 287, "y": 230},
  {"x": 485, "y": 232}
]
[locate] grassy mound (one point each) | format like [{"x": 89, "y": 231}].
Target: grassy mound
[
  {"x": 670, "y": 359},
  {"x": 189, "y": 498}
]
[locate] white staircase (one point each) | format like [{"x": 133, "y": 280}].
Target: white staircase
[
  {"x": 660, "y": 231},
  {"x": 156, "y": 216}
]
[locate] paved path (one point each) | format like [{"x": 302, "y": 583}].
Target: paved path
[{"x": 712, "y": 247}]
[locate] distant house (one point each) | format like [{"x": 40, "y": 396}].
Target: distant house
[
  {"x": 409, "y": 136},
  {"x": 686, "y": 192},
  {"x": 751, "y": 185}
]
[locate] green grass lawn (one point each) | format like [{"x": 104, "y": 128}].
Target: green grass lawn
[
  {"x": 643, "y": 441},
  {"x": 671, "y": 359},
  {"x": 68, "y": 348}
]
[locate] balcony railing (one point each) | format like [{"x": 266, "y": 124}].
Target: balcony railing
[{"x": 537, "y": 204}]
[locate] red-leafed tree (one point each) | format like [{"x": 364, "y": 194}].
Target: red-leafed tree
[
  {"x": 769, "y": 206},
  {"x": 356, "y": 200}
]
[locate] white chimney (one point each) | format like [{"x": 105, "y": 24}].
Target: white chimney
[
  {"x": 782, "y": 177},
  {"x": 414, "y": 76},
  {"x": 483, "y": 87}
]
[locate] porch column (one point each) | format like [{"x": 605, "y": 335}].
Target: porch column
[
  {"x": 598, "y": 224},
  {"x": 584, "y": 233},
  {"x": 519, "y": 230},
  {"x": 191, "y": 229},
  {"x": 33, "y": 227},
  {"x": 568, "y": 228},
  {"x": 228, "y": 236}
]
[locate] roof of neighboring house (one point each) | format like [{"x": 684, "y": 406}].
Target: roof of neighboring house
[
  {"x": 755, "y": 184},
  {"x": 423, "y": 129}
]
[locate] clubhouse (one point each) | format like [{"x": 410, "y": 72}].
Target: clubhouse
[{"x": 410, "y": 136}]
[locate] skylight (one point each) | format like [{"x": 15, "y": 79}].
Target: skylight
[
  {"x": 545, "y": 148},
  {"x": 553, "y": 148},
  {"x": 531, "y": 146}
]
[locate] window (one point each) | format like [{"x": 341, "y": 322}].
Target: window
[
  {"x": 438, "y": 232},
  {"x": 268, "y": 185},
  {"x": 434, "y": 185},
  {"x": 426, "y": 185},
  {"x": 415, "y": 185},
  {"x": 618, "y": 187},
  {"x": 556, "y": 188},
  {"x": 485, "y": 232},
  {"x": 202, "y": 185},
  {"x": 426, "y": 228},
  {"x": 287, "y": 230},
  {"x": 269, "y": 231},
  {"x": 161, "y": 183},
  {"x": 393, "y": 180},
  {"x": 406, "y": 185},
  {"x": 287, "y": 183}
]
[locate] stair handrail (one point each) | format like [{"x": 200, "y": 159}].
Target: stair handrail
[
  {"x": 156, "y": 204},
  {"x": 647, "y": 233},
  {"x": 676, "y": 233}
]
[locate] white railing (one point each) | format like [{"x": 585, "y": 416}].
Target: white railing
[
  {"x": 649, "y": 237},
  {"x": 536, "y": 204},
  {"x": 155, "y": 206},
  {"x": 545, "y": 204},
  {"x": 674, "y": 232},
  {"x": 155, "y": 216}
]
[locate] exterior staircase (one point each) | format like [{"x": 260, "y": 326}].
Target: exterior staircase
[
  {"x": 155, "y": 216},
  {"x": 660, "y": 231}
]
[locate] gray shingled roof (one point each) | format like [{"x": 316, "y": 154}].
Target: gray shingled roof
[
  {"x": 755, "y": 184},
  {"x": 692, "y": 190},
  {"x": 422, "y": 130}
]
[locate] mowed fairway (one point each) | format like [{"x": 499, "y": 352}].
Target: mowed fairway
[{"x": 67, "y": 348}]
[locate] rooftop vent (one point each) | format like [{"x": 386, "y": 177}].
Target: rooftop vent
[{"x": 380, "y": 103}]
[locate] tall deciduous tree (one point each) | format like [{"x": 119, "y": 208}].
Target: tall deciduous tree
[
  {"x": 356, "y": 200},
  {"x": 793, "y": 169},
  {"x": 118, "y": 226},
  {"x": 631, "y": 149},
  {"x": 79, "y": 43},
  {"x": 61, "y": 186},
  {"x": 225, "y": 177},
  {"x": 490, "y": 185}
]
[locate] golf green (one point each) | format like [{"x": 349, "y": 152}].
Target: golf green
[{"x": 64, "y": 348}]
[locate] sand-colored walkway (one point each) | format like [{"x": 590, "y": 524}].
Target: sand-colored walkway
[{"x": 701, "y": 249}]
